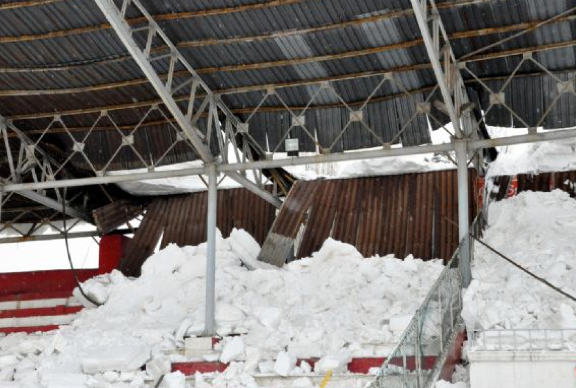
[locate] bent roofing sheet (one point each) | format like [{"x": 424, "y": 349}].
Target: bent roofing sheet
[{"x": 93, "y": 55}]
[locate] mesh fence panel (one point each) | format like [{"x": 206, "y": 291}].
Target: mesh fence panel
[{"x": 413, "y": 362}]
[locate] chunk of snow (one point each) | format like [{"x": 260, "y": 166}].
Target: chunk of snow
[
  {"x": 174, "y": 380},
  {"x": 268, "y": 316},
  {"x": 284, "y": 364},
  {"x": 446, "y": 384},
  {"x": 247, "y": 249},
  {"x": 233, "y": 350},
  {"x": 8, "y": 360},
  {"x": 334, "y": 362},
  {"x": 158, "y": 366},
  {"x": 530, "y": 228},
  {"x": 117, "y": 358}
]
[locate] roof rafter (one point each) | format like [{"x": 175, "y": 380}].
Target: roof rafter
[
  {"x": 253, "y": 38},
  {"x": 157, "y": 18},
  {"x": 298, "y": 61},
  {"x": 252, "y": 88}
]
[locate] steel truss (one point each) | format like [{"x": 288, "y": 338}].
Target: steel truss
[
  {"x": 199, "y": 121},
  {"x": 34, "y": 165},
  {"x": 458, "y": 105}
]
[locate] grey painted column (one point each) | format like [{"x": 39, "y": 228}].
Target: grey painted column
[
  {"x": 210, "y": 321},
  {"x": 463, "y": 211}
]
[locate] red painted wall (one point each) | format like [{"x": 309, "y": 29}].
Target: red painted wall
[
  {"x": 42, "y": 281},
  {"x": 61, "y": 282},
  {"x": 112, "y": 248}
]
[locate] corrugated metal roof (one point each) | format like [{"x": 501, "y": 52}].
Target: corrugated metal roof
[
  {"x": 182, "y": 220},
  {"x": 399, "y": 214},
  {"x": 86, "y": 58}
]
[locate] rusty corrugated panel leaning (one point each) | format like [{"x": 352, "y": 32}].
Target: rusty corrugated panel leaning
[
  {"x": 145, "y": 239},
  {"x": 399, "y": 214},
  {"x": 114, "y": 215},
  {"x": 182, "y": 220}
]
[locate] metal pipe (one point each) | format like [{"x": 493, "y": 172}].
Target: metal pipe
[
  {"x": 263, "y": 164},
  {"x": 463, "y": 219},
  {"x": 210, "y": 320},
  {"x": 338, "y": 157},
  {"x": 58, "y": 236},
  {"x": 433, "y": 51},
  {"x": 53, "y": 204},
  {"x": 101, "y": 180},
  {"x": 522, "y": 139}
]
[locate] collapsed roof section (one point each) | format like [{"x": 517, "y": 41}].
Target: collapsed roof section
[{"x": 328, "y": 75}]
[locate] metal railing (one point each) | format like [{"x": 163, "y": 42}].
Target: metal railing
[
  {"x": 414, "y": 362},
  {"x": 522, "y": 340}
]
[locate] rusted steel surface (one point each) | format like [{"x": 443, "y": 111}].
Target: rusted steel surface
[
  {"x": 536, "y": 182},
  {"x": 110, "y": 217},
  {"x": 400, "y": 214},
  {"x": 145, "y": 239},
  {"x": 182, "y": 220}
]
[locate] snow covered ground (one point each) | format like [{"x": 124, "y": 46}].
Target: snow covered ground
[
  {"x": 537, "y": 230},
  {"x": 334, "y": 305}
]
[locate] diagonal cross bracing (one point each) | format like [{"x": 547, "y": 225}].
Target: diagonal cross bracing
[
  {"x": 44, "y": 160},
  {"x": 141, "y": 51}
]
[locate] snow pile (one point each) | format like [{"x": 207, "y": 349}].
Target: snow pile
[
  {"x": 534, "y": 158},
  {"x": 333, "y": 305},
  {"x": 374, "y": 167},
  {"x": 313, "y": 307},
  {"x": 446, "y": 384},
  {"x": 538, "y": 231}
]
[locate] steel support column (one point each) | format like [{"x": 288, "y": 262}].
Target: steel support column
[
  {"x": 210, "y": 320},
  {"x": 457, "y": 104},
  {"x": 463, "y": 211}
]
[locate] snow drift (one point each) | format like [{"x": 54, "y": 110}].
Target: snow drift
[
  {"x": 538, "y": 231},
  {"x": 334, "y": 305}
]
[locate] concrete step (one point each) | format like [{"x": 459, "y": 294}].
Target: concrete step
[
  {"x": 32, "y": 321},
  {"x": 29, "y": 330},
  {"x": 37, "y": 300},
  {"x": 39, "y": 311}
]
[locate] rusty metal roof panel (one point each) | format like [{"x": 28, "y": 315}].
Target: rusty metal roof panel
[
  {"x": 398, "y": 214},
  {"x": 280, "y": 19},
  {"x": 182, "y": 220}
]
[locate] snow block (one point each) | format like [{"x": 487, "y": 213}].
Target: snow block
[{"x": 116, "y": 358}]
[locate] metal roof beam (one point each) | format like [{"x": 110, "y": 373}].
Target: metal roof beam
[
  {"x": 58, "y": 236},
  {"x": 142, "y": 56},
  {"x": 457, "y": 104},
  {"x": 53, "y": 204},
  {"x": 214, "y": 12},
  {"x": 471, "y": 145},
  {"x": 46, "y": 158}
]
